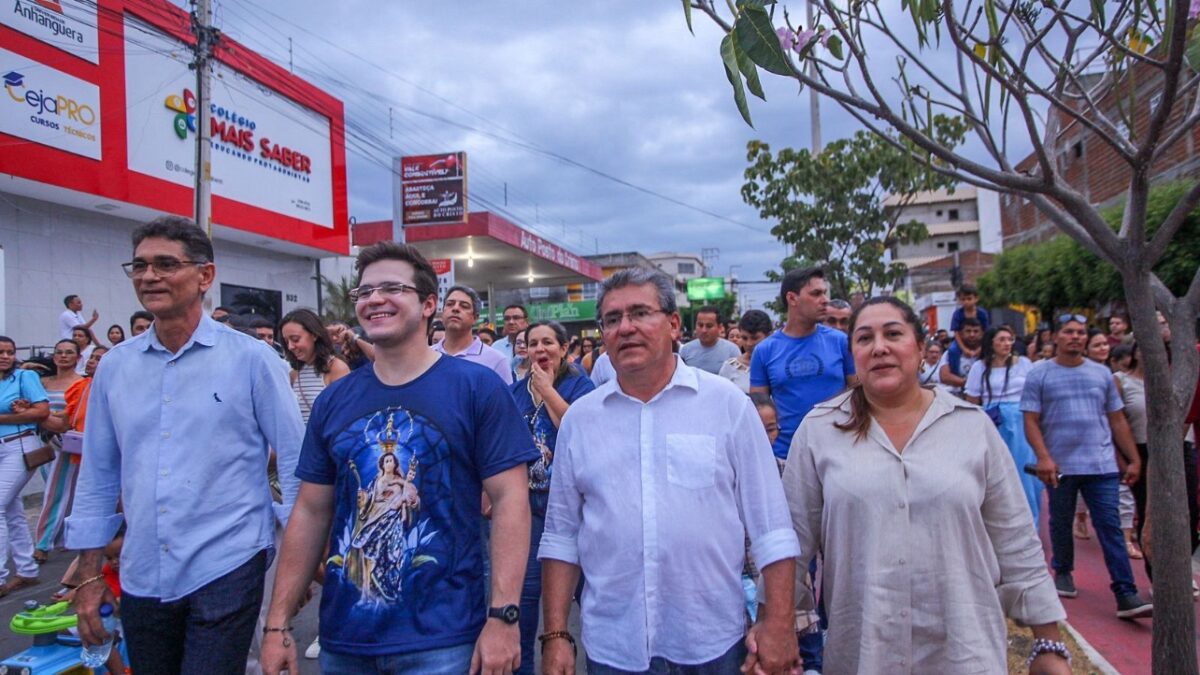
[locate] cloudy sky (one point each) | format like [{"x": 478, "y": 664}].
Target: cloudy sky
[{"x": 619, "y": 86}]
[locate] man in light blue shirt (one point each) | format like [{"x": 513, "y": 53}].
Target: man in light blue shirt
[
  {"x": 181, "y": 422},
  {"x": 516, "y": 320}
]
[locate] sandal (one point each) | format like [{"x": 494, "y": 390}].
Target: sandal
[
  {"x": 16, "y": 584},
  {"x": 1132, "y": 549},
  {"x": 40, "y": 557},
  {"x": 1081, "y": 529}
]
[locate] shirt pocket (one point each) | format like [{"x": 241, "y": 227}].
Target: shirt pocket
[{"x": 691, "y": 460}]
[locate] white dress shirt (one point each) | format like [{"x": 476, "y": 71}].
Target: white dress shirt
[
  {"x": 925, "y": 550},
  {"x": 67, "y": 322},
  {"x": 653, "y": 501}
]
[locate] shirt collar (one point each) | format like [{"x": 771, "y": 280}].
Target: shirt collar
[
  {"x": 205, "y": 334},
  {"x": 684, "y": 376},
  {"x": 473, "y": 349}
]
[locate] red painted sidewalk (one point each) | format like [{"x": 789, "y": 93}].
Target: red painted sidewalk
[{"x": 1093, "y": 614}]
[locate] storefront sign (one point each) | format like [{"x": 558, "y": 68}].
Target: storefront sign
[
  {"x": 563, "y": 311},
  {"x": 267, "y": 151},
  {"x": 706, "y": 288},
  {"x": 434, "y": 189},
  {"x": 444, "y": 268},
  {"x": 48, "y": 106},
  {"x": 69, "y": 25}
]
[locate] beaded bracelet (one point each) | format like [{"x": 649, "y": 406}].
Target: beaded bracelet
[
  {"x": 1042, "y": 646},
  {"x": 558, "y": 635}
]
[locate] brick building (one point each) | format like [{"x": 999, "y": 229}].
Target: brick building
[{"x": 1091, "y": 166}]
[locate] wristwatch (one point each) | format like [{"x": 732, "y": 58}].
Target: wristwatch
[{"x": 509, "y": 614}]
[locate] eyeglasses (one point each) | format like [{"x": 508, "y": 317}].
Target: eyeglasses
[
  {"x": 1072, "y": 317},
  {"x": 638, "y": 316},
  {"x": 387, "y": 288},
  {"x": 163, "y": 267}
]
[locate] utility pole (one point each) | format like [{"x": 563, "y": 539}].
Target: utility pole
[
  {"x": 814, "y": 100},
  {"x": 206, "y": 37}
]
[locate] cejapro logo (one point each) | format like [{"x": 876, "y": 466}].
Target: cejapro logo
[{"x": 48, "y": 109}]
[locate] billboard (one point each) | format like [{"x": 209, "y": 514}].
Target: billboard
[
  {"x": 706, "y": 288},
  {"x": 434, "y": 189},
  {"x": 49, "y": 107},
  {"x": 267, "y": 151},
  {"x": 69, "y": 25}
]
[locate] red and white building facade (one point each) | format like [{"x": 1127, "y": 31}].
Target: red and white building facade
[{"x": 97, "y": 135}]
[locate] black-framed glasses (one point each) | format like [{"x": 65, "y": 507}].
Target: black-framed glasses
[
  {"x": 386, "y": 288},
  {"x": 1063, "y": 318},
  {"x": 164, "y": 266},
  {"x": 638, "y": 316}
]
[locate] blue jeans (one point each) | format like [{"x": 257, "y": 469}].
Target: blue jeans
[
  {"x": 1100, "y": 493},
  {"x": 728, "y": 663},
  {"x": 531, "y": 590},
  {"x": 206, "y": 632},
  {"x": 454, "y": 660},
  {"x": 812, "y": 645}
]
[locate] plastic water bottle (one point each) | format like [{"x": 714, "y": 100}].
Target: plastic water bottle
[{"x": 97, "y": 655}]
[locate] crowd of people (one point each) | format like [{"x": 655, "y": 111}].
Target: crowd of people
[{"x": 760, "y": 497}]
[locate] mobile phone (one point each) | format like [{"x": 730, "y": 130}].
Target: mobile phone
[{"x": 1031, "y": 469}]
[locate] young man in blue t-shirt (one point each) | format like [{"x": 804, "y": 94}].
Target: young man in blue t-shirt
[
  {"x": 799, "y": 366},
  {"x": 805, "y": 362},
  {"x": 393, "y": 466}
]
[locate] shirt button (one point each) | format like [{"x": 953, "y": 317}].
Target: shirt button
[
  {"x": 903, "y": 612},
  {"x": 166, "y": 434},
  {"x": 162, "y": 510},
  {"x": 902, "y": 561},
  {"x": 166, "y": 399},
  {"x": 902, "y": 505},
  {"x": 171, "y": 364},
  {"x": 165, "y": 547},
  {"x": 165, "y": 472}
]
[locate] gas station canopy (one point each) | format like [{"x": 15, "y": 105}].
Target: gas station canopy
[{"x": 490, "y": 251}]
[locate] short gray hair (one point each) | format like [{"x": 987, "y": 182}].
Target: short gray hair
[
  {"x": 838, "y": 303},
  {"x": 640, "y": 276},
  {"x": 476, "y": 302}
]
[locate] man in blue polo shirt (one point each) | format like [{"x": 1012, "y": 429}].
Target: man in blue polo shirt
[
  {"x": 460, "y": 311},
  {"x": 393, "y": 467}
]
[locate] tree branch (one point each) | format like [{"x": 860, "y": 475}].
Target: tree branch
[{"x": 1170, "y": 227}]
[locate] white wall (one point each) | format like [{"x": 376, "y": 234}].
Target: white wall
[
  {"x": 51, "y": 251},
  {"x": 990, "y": 235}
]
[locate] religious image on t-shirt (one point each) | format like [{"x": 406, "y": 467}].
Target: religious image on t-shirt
[
  {"x": 390, "y": 548},
  {"x": 543, "y": 431}
]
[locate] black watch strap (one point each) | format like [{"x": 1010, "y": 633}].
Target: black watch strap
[{"x": 509, "y": 614}]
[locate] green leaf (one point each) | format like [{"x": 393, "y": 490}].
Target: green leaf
[
  {"x": 733, "y": 72},
  {"x": 835, "y": 47},
  {"x": 757, "y": 38},
  {"x": 748, "y": 69},
  {"x": 1098, "y": 12},
  {"x": 687, "y": 14},
  {"x": 1192, "y": 54}
]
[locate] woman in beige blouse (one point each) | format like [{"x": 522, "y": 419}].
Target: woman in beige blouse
[{"x": 911, "y": 497}]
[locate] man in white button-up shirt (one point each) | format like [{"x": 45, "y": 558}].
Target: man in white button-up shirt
[{"x": 659, "y": 475}]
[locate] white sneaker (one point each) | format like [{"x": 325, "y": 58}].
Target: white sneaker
[
  {"x": 314, "y": 650},
  {"x": 812, "y": 672}
]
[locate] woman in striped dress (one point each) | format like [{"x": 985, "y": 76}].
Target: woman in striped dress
[
  {"x": 60, "y": 474},
  {"x": 315, "y": 365}
]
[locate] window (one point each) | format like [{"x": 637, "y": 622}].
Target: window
[
  {"x": 687, "y": 268},
  {"x": 939, "y": 214},
  {"x": 1078, "y": 147},
  {"x": 953, "y": 214},
  {"x": 941, "y": 244},
  {"x": 952, "y": 246}
]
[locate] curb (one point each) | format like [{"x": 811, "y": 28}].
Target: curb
[{"x": 1102, "y": 665}]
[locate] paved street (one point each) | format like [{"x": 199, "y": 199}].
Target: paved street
[{"x": 1124, "y": 644}]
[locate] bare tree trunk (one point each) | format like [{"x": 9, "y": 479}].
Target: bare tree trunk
[{"x": 1174, "y": 651}]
